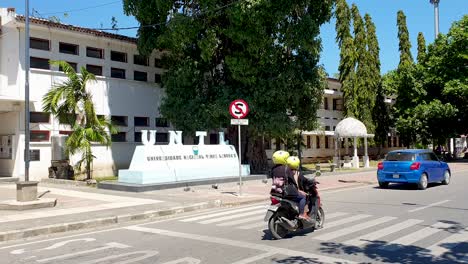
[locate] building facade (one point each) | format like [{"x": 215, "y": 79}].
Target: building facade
[{"x": 127, "y": 89}]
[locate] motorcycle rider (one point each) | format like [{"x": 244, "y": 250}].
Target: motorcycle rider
[{"x": 282, "y": 174}]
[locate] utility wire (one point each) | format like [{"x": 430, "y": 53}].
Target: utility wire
[{"x": 82, "y": 9}]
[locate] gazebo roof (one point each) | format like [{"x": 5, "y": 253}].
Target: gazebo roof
[{"x": 350, "y": 127}]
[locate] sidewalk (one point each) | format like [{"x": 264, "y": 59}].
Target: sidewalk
[{"x": 80, "y": 207}]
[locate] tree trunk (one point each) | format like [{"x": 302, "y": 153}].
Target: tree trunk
[
  {"x": 88, "y": 165},
  {"x": 256, "y": 154}
]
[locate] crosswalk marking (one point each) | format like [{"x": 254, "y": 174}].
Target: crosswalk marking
[
  {"x": 334, "y": 215},
  {"x": 257, "y": 218},
  {"x": 255, "y": 258},
  {"x": 229, "y": 217},
  {"x": 448, "y": 243},
  {"x": 254, "y": 225},
  {"x": 344, "y": 221},
  {"x": 355, "y": 228},
  {"x": 382, "y": 232},
  {"x": 415, "y": 236},
  {"x": 193, "y": 219}
]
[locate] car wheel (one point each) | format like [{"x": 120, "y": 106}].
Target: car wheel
[
  {"x": 383, "y": 185},
  {"x": 422, "y": 185},
  {"x": 447, "y": 176}
]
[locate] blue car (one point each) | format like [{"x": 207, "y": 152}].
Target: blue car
[{"x": 412, "y": 166}]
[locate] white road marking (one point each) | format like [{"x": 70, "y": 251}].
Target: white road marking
[
  {"x": 229, "y": 217},
  {"x": 84, "y": 252},
  {"x": 185, "y": 261},
  {"x": 415, "y": 236},
  {"x": 240, "y": 244},
  {"x": 382, "y": 232},
  {"x": 146, "y": 254},
  {"x": 427, "y": 206},
  {"x": 54, "y": 246},
  {"x": 192, "y": 219},
  {"x": 255, "y": 258},
  {"x": 343, "y": 221},
  {"x": 257, "y": 218},
  {"x": 448, "y": 243},
  {"x": 334, "y": 215},
  {"x": 255, "y": 225},
  {"x": 354, "y": 228}
]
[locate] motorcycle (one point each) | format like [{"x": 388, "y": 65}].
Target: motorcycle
[{"x": 283, "y": 214}]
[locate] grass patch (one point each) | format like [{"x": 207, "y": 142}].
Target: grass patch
[{"x": 106, "y": 178}]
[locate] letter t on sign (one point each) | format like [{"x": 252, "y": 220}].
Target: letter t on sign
[{"x": 201, "y": 137}]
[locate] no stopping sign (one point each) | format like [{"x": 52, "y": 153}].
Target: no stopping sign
[{"x": 238, "y": 108}]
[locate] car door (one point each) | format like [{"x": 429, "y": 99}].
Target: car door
[
  {"x": 427, "y": 165},
  {"x": 438, "y": 168}
]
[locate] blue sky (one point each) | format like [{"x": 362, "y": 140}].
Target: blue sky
[{"x": 419, "y": 13}]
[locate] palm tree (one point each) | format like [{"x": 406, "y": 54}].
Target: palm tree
[{"x": 71, "y": 102}]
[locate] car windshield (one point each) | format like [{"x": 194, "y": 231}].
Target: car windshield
[{"x": 400, "y": 156}]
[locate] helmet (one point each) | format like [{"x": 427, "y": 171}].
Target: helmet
[
  {"x": 293, "y": 162},
  {"x": 280, "y": 157}
]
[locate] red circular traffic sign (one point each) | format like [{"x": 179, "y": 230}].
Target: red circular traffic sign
[{"x": 239, "y": 108}]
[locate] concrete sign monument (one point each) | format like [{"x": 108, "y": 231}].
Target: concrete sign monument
[{"x": 175, "y": 162}]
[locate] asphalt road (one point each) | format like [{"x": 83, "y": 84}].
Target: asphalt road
[{"x": 363, "y": 225}]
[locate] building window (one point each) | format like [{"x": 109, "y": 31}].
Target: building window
[
  {"x": 140, "y": 60},
  {"x": 327, "y": 142},
  {"x": 334, "y": 127},
  {"x": 117, "y": 73},
  {"x": 389, "y": 142},
  {"x": 337, "y": 104},
  {"x": 65, "y": 132},
  {"x": 141, "y": 121},
  {"x": 94, "y": 69},
  {"x": 162, "y": 137},
  {"x": 309, "y": 143},
  {"x": 39, "y": 117},
  {"x": 157, "y": 78},
  {"x": 68, "y": 48},
  {"x": 72, "y": 64},
  {"x": 39, "y": 63},
  {"x": 119, "y": 137},
  {"x": 94, "y": 53},
  {"x": 119, "y": 120},
  {"x": 118, "y": 56},
  {"x": 317, "y": 142},
  {"x": 394, "y": 141},
  {"x": 158, "y": 63},
  {"x": 137, "y": 137},
  {"x": 325, "y": 103},
  {"x": 37, "y": 43},
  {"x": 140, "y": 76},
  {"x": 39, "y": 136},
  {"x": 161, "y": 122},
  {"x": 327, "y": 128}
]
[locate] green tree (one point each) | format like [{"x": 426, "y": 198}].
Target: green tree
[
  {"x": 346, "y": 67},
  {"x": 266, "y": 52},
  {"x": 70, "y": 101},
  {"x": 421, "y": 47},
  {"x": 404, "y": 44}
]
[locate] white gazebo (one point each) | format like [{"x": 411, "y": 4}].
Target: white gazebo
[{"x": 353, "y": 128}]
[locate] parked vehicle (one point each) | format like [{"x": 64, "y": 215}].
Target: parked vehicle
[
  {"x": 412, "y": 166},
  {"x": 283, "y": 214}
]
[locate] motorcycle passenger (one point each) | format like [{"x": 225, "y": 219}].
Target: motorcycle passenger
[{"x": 301, "y": 181}]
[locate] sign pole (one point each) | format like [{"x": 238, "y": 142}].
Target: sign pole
[{"x": 240, "y": 160}]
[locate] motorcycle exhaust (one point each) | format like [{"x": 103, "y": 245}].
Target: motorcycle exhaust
[{"x": 288, "y": 224}]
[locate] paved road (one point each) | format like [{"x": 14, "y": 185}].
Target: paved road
[{"x": 363, "y": 225}]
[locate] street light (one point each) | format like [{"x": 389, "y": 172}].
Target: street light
[{"x": 436, "y": 16}]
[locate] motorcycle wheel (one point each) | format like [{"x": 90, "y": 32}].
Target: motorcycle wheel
[
  {"x": 320, "y": 220},
  {"x": 276, "y": 230}
]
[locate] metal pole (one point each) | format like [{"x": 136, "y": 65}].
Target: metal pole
[
  {"x": 240, "y": 161},
  {"x": 436, "y": 17},
  {"x": 26, "y": 95}
]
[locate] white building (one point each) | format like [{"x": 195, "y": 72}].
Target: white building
[{"x": 127, "y": 89}]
